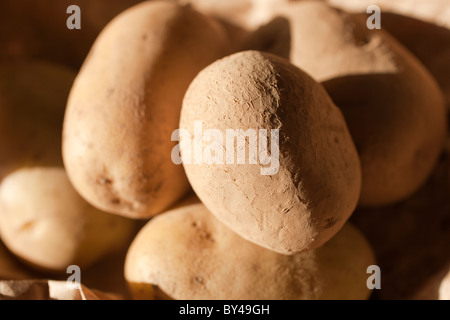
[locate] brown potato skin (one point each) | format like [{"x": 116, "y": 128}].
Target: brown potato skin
[
  {"x": 393, "y": 107},
  {"x": 126, "y": 102},
  {"x": 318, "y": 182},
  {"x": 188, "y": 254}
]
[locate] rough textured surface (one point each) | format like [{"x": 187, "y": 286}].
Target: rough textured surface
[
  {"x": 393, "y": 107},
  {"x": 317, "y": 186},
  {"x": 47, "y": 224},
  {"x": 126, "y": 102},
  {"x": 188, "y": 254}
]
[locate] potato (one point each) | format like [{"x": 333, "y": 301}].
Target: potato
[
  {"x": 42, "y": 219},
  {"x": 311, "y": 182},
  {"x": 411, "y": 239},
  {"x": 47, "y": 224},
  {"x": 188, "y": 254},
  {"x": 393, "y": 107},
  {"x": 126, "y": 102},
  {"x": 37, "y": 29}
]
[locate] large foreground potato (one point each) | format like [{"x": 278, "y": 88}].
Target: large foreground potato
[
  {"x": 126, "y": 102},
  {"x": 393, "y": 107},
  {"x": 310, "y": 183},
  {"x": 42, "y": 219},
  {"x": 188, "y": 254}
]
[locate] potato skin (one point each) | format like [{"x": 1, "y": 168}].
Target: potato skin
[
  {"x": 188, "y": 254},
  {"x": 47, "y": 224},
  {"x": 393, "y": 107},
  {"x": 318, "y": 182},
  {"x": 126, "y": 102}
]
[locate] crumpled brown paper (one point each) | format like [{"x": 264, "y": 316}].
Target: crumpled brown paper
[{"x": 49, "y": 290}]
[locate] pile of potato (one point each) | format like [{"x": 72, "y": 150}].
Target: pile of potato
[{"x": 362, "y": 178}]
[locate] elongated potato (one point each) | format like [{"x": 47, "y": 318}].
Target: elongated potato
[
  {"x": 126, "y": 102},
  {"x": 188, "y": 254},
  {"x": 296, "y": 193},
  {"x": 42, "y": 219},
  {"x": 393, "y": 107}
]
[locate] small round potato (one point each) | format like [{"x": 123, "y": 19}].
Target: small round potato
[
  {"x": 46, "y": 223},
  {"x": 281, "y": 170},
  {"x": 188, "y": 254}
]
